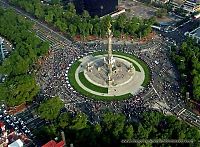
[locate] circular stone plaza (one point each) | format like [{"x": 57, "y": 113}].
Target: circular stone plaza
[{"x": 109, "y": 75}]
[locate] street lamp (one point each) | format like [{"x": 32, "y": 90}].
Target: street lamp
[{"x": 101, "y": 7}]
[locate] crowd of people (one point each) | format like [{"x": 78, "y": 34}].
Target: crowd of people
[{"x": 53, "y": 78}]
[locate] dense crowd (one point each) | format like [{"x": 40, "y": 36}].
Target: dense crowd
[{"x": 54, "y": 80}]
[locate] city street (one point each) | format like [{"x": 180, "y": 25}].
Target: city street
[
  {"x": 178, "y": 34},
  {"x": 164, "y": 89}
]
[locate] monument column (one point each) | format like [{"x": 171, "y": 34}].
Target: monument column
[{"x": 110, "y": 56}]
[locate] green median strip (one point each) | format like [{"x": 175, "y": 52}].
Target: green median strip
[
  {"x": 71, "y": 74},
  {"x": 147, "y": 73}
]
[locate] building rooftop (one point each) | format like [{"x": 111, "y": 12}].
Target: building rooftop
[
  {"x": 17, "y": 143},
  {"x": 52, "y": 143},
  {"x": 13, "y": 129}
]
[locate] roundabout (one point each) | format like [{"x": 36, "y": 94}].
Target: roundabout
[
  {"x": 89, "y": 76},
  {"x": 56, "y": 77},
  {"x": 109, "y": 75}
]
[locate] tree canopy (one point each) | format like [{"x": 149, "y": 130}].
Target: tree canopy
[
  {"x": 19, "y": 89},
  {"x": 187, "y": 59},
  {"x": 113, "y": 128},
  {"x": 20, "y": 85},
  {"x": 70, "y": 23},
  {"x": 50, "y": 109}
]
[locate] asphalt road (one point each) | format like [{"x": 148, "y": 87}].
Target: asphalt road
[
  {"x": 178, "y": 34},
  {"x": 42, "y": 25}
]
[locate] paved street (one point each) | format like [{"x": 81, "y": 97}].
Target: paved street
[
  {"x": 178, "y": 34},
  {"x": 164, "y": 87}
]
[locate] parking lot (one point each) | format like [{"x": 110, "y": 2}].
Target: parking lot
[{"x": 138, "y": 9}]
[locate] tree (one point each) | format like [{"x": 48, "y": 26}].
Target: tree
[
  {"x": 82, "y": 29},
  {"x": 50, "y": 109},
  {"x": 72, "y": 30},
  {"x": 90, "y": 28},
  {"x": 128, "y": 132},
  {"x": 49, "y": 16},
  {"x": 20, "y": 86},
  {"x": 61, "y": 26},
  {"x": 45, "y": 133},
  {"x": 79, "y": 122},
  {"x": 117, "y": 33},
  {"x": 142, "y": 133},
  {"x": 151, "y": 119},
  {"x": 109, "y": 123},
  {"x": 54, "y": 13},
  {"x": 161, "y": 12},
  {"x": 18, "y": 90},
  {"x": 121, "y": 21},
  {"x": 84, "y": 133},
  {"x": 196, "y": 86},
  {"x": 96, "y": 29},
  {"x": 86, "y": 15},
  {"x": 187, "y": 59},
  {"x": 133, "y": 26},
  {"x": 42, "y": 49},
  {"x": 97, "y": 128},
  {"x": 71, "y": 8},
  {"x": 64, "y": 120},
  {"x": 55, "y": 2},
  {"x": 39, "y": 11}
]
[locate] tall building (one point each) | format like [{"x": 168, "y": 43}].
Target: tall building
[{"x": 95, "y": 7}]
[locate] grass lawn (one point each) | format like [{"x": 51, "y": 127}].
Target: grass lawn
[
  {"x": 147, "y": 73},
  {"x": 75, "y": 85},
  {"x": 71, "y": 75},
  {"x": 90, "y": 85}
]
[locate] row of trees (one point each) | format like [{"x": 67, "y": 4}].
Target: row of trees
[
  {"x": 112, "y": 128},
  {"x": 67, "y": 21},
  {"x": 20, "y": 85},
  {"x": 187, "y": 59}
]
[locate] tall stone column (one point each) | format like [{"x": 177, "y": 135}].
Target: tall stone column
[{"x": 110, "y": 56}]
